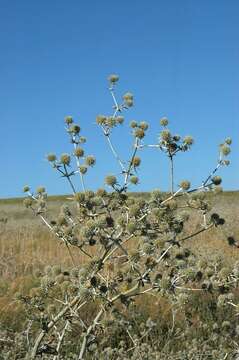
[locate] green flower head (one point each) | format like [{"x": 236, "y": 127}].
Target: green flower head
[
  {"x": 40, "y": 190},
  {"x": 164, "y": 121},
  {"x": 217, "y": 180},
  {"x": 113, "y": 78},
  {"x": 74, "y": 129},
  {"x": 188, "y": 140},
  {"x": 83, "y": 169},
  {"x": 134, "y": 180},
  {"x": 68, "y": 120},
  {"x": 228, "y": 141},
  {"x": 26, "y": 188},
  {"x": 225, "y": 150}
]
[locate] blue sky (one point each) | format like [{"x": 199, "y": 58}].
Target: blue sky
[{"x": 179, "y": 58}]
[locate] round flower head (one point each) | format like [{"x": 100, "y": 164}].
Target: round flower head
[
  {"x": 188, "y": 140},
  {"x": 111, "y": 121},
  {"x": 79, "y": 152},
  {"x": 134, "y": 180},
  {"x": 164, "y": 121},
  {"x": 225, "y": 150},
  {"x": 101, "y": 119},
  {"x": 139, "y": 133},
  {"x": 144, "y": 125},
  {"x": 83, "y": 169},
  {"x": 65, "y": 159},
  {"x": 113, "y": 78},
  {"x": 128, "y": 96},
  {"x": 136, "y": 161},
  {"x": 26, "y": 188},
  {"x": 74, "y": 129},
  {"x": 185, "y": 184},
  {"x": 82, "y": 140},
  {"x": 165, "y": 135},
  {"x": 68, "y": 120},
  {"x": 176, "y": 137},
  {"x": 110, "y": 180},
  {"x": 129, "y": 103},
  {"x": 226, "y": 162},
  {"x": 90, "y": 160},
  {"x": 40, "y": 190},
  {"x": 51, "y": 157},
  {"x": 217, "y": 180},
  {"x": 133, "y": 124},
  {"x": 228, "y": 141},
  {"x": 119, "y": 119}
]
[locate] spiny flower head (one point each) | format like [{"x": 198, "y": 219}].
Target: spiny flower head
[
  {"x": 90, "y": 160},
  {"x": 119, "y": 119},
  {"x": 228, "y": 141},
  {"x": 113, "y": 78},
  {"x": 144, "y": 125},
  {"x": 176, "y": 137},
  {"x": 51, "y": 157},
  {"x": 83, "y": 169},
  {"x": 217, "y": 180},
  {"x": 188, "y": 140},
  {"x": 110, "y": 180},
  {"x": 139, "y": 133},
  {"x": 165, "y": 135},
  {"x": 164, "y": 121},
  {"x": 74, "y": 129},
  {"x": 26, "y": 188},
  {"x": 134, "y": 180},
  {"x": 40, "y": 190},
  {"x": 65, "y": 159},
  {"x": 79, "y": 152},
  {"x": 111, "y": 121},
  {"x": 136, "y": 161},
  {"x": 225, "y": 149},
  {"x": 101, "y": 119},
  {"x": 133, "y": 124},
  {"x": 68, "y": 120},
  {"x": 185, "y": 184},
  {"x": 82, "y": 139},
  {"x": 128, "y": 99}
]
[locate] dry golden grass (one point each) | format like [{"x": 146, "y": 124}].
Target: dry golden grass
[{"x": 26, "y": 245}]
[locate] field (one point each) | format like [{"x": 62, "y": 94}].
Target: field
[{"x": 27, "y": 246}]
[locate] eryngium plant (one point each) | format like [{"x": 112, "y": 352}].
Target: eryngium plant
[{"x": 132, "y": 245}]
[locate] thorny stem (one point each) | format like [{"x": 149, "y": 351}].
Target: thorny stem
[{"x": 131, "y": 163}]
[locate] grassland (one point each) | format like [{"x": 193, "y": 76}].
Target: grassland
[{"x": 26, "y": 245}]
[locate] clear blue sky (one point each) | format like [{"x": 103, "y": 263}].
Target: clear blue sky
[{"x": 180, "y": 59}]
